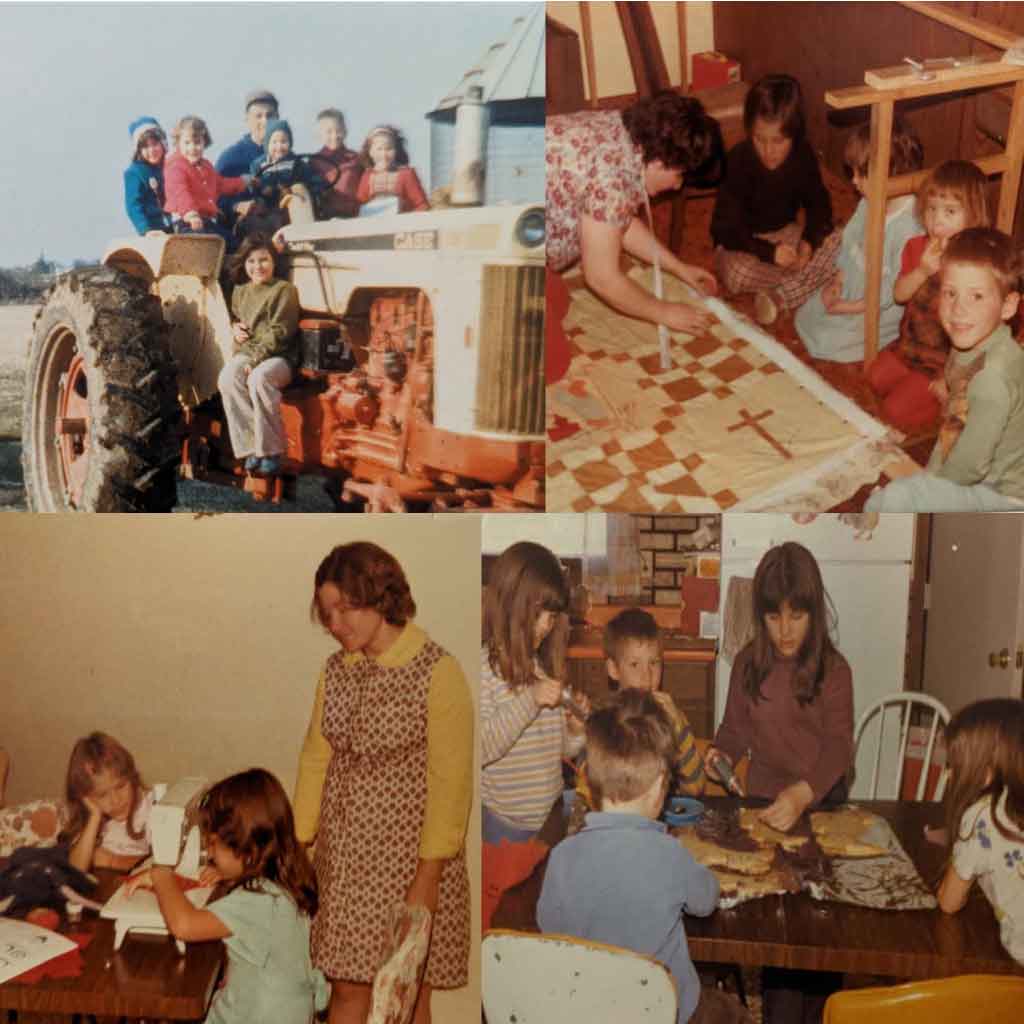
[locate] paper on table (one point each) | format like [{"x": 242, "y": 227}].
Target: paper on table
[
  {"x": 24, "y": 946},
  {"x": 890, "y": 882}
]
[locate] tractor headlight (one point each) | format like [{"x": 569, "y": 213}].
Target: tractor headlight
[{"x": 530, "y": 228}]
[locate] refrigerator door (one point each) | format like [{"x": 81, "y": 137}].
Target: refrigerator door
[{"x": 832, "y": 538}]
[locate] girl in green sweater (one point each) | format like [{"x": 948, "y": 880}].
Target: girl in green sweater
[{"x": 264, "y": 321}]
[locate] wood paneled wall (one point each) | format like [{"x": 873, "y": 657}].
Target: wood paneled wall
[{"x": 830, "y": 45}]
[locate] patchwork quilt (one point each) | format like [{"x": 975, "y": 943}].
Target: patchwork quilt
[{"x": 737, "y": 422}]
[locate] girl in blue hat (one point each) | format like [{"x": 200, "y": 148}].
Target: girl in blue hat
[{"x": 144, "y": 177}]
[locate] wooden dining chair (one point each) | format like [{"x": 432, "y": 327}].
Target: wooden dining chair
[
  {"x": 907, "y": 703},
  {"x": 978, "y": 998},
  {"x": 529, "y": 977}
]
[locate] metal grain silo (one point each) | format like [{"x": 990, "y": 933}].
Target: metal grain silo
[{"x": 487, "y": 134}]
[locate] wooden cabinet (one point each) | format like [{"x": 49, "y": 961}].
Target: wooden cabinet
[
  {"x": 688, "y": 674},
  {"x": 564, "y": 69}
]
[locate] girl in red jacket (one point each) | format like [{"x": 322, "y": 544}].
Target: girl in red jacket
[{"x": 193, "y": 186}]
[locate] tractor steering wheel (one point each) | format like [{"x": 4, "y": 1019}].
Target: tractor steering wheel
[{"x": 317, "y": 183}]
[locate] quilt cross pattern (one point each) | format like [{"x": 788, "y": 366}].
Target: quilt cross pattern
[{"x": 735, "y": 423}]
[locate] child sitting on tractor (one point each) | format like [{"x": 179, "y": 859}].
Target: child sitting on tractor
[
  {"x": 193, "y": 186},
  {"x": 265, "y": 318},
  {"x": 282, "y": 184},
  {"x": 338, "y": 166},
  {"x": 388, "y": 181}
]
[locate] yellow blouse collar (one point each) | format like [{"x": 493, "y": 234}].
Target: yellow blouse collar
[{"x": 401, "y": 652}]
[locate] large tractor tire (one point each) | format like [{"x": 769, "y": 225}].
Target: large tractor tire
[{"x": 101, "y": 406}]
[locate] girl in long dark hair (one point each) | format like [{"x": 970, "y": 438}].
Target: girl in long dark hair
[
  {"x": 265, "y": 897},
  {"x": 790, "y": 703}
]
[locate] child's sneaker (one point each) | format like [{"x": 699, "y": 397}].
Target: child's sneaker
[{"x": 765, "y": 310}]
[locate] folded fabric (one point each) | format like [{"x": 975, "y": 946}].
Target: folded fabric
[{"x": 506, "y": 864}]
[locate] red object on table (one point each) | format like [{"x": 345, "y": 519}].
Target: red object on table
[
  {"x": 67, "y": 965},
  {"x": 697, "y": 595},
  {"x": 711, "y": 69},
  {"x": 44, "y": 917}
]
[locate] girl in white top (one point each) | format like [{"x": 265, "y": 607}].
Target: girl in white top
[
  {"x": 985, "y": 813},
  {"x": 108, "y": 806}
]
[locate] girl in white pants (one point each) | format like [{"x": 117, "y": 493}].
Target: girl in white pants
[{"x": 265, "y": 318}]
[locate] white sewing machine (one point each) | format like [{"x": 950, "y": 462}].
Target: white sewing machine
[{"x": 140, "y": 912}]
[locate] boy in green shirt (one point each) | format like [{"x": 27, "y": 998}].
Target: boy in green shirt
[{"x": 977, "y": 464}]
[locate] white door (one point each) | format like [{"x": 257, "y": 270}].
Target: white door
[{"x": 974, "y": 639}]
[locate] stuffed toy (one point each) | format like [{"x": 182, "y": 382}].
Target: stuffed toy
[{"x": 43, "y": 877}]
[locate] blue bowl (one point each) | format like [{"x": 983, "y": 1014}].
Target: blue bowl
[{"x": 682, "y": 810}]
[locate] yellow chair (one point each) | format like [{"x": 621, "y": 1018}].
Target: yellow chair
[{"x": 970, "y": 998}]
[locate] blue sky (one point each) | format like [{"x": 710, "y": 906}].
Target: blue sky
[{"x": 76, "y": 75}]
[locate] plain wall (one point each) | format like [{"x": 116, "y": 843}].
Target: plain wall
[
  {"x": 189, "y": 639},
  {"x": 611, "y": 61}
]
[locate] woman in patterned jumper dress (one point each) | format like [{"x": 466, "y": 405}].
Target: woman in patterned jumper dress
[{"x": 385, "y": 782}]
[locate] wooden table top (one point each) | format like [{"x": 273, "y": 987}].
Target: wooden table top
[
  {"x": 800, "y": 932},
  {"x": 145, "y": 978}
]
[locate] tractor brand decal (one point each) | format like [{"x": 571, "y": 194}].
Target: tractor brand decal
[
  {"x": 378, "y": 243},
  {"x": 416, "y": 240},
  {"x": 400, "y": 240}
]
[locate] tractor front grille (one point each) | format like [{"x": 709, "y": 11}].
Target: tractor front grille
[{"x": 510, "y": 382}]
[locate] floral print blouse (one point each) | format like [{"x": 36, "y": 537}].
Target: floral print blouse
[
  {"x": 593, "y": 169},
  {"x": 981, "y": 851}
]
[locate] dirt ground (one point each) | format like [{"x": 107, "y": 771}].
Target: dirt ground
[{"x": 15, "y": 331}]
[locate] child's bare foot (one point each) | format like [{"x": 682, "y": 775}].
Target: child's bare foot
[{"x": 765, "y": 310}]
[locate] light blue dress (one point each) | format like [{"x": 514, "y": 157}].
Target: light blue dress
[
  {"x": 270, "y": 979},
  {"x": 840, "y": 336}
]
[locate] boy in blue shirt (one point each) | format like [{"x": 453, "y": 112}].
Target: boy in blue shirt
[{"x": 623, "y": 879}]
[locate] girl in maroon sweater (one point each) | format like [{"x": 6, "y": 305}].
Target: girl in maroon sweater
[{"x": 790, "y": 702}]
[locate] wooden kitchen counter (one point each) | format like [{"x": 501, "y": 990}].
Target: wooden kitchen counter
[{"x": 688, "y": 672}]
